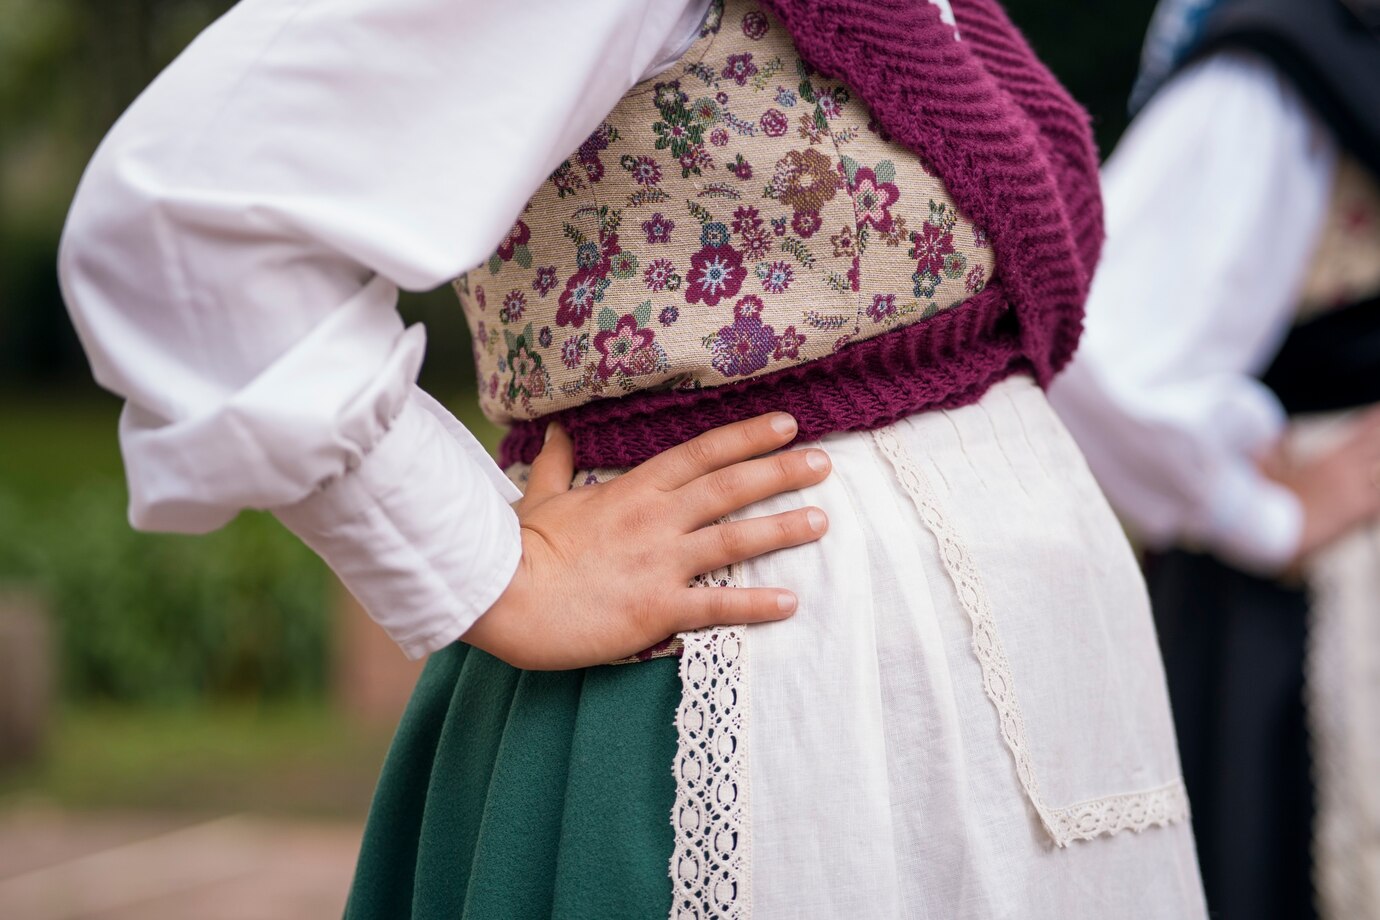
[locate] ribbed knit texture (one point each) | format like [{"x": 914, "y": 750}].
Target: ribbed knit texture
[{"x": 1017, "y": 156}]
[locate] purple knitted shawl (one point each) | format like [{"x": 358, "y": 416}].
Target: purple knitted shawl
[{"x": 1016, "y": 154}]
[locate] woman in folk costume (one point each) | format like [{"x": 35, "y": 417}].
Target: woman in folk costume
[
  {"x": 664, "y": 217},
  {"x": 1234, "y": 332}
]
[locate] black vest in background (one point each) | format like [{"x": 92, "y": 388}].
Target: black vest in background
[{"x": 1329, "y": 49}]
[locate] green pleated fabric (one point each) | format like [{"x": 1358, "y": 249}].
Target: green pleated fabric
[{"x": 510, "y": 795}]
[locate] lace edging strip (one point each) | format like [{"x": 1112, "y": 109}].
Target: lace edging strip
[
  {"x": 711, "y": 861},
  {"x": 1132, "y": 811}
]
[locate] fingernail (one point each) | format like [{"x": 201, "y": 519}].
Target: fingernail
[
  {"x": 783, "y": 424},
  {"x": 785, "y": 602},
  {"x": 818, "y": 520},
  {"x": 550, "y": 430},
  {"x": 817, "y": 460}
]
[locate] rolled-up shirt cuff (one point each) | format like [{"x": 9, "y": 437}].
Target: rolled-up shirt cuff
[
  {"x": 417, "y": 531},
  {"x": 1257, "y": 524}
]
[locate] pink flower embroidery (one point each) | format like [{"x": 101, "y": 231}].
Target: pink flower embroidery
[
  {"x": 788, "y": 345},
  {"x": 756, "y": 243},
  {"x": 514, "y": 305},
  {"x": 573, "y": 350},
  {"x": 873, "y": 200},
  {"x": 715, "y": 273},
  {"x": 929, "y": 247},
  {"x": 659, "y": 274},
  {"x": 976, "y": 280},
  {"x": 545, "y": 282},
  {"x": 619, "y": 348},
  {"x": 696, "y": 159},
  {"x": 739, "y": 68},
  {"x": 746, "y": 218},
  {"x": 645, "y": 171},
  {"x": 584, "y": 289},
  {"x": 518, "y": 236},
  {"x": 754, "y": 25},
  {"x": 774, "y": 123},
  {"x": 776, "y": 277},
  {"x": 882, "y": 306},
  {"x": 806, "y": 223},
  {"x": 658, "y": 228}
]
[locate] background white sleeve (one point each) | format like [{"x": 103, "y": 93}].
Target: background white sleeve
[
  {"x": 232, "y": 259},
  {"x": 1214, "y": 198}
]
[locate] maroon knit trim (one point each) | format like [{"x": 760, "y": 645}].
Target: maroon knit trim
[
  {"x": 1016, "y": 154},
  {"x": 945, "y": 362},
  {"x": 1013, "y": 149}
]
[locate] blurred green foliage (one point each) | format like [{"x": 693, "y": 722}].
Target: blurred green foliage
[
  {"x": 163, "y": 619},
  {"x": 238, "y": 614}
]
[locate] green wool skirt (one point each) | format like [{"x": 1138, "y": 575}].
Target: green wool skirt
[{"x": 524, "y": 794}]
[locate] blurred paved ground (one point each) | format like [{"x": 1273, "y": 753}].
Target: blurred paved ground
[{"x": 64, "y": 866}]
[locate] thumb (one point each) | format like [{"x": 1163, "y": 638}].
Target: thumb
[{"x": 555, "y": 465}]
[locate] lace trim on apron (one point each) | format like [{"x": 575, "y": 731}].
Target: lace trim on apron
[{"x": 1135, "y": 811}]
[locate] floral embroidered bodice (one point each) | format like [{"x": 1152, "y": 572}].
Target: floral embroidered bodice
[
  {"x": 1346, "y": 261},
  {"x": 732, "y": 217}
]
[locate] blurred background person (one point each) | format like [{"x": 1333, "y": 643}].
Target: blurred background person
[{"x": 1222, "y": 395}]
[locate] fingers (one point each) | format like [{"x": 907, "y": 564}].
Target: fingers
[
  {"x": 718, "y": 448},
  {"x": 698, "y": 608},
  {"x": 554, "y": 467},
  {"x": 724, "y": 544},
  {"x": 724, "y": 491}
]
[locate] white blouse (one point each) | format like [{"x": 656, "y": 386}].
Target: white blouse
[
  {"x": 1214, "y": 201},
  {"x": 232, "y": 259}
]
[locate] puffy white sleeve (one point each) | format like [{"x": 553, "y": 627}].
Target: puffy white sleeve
[
  {"x": 1214, "y": 200},
  {"x": 232, "y": 259}
]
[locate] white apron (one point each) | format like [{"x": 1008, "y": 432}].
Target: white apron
[{"x": 967, "y": 717}]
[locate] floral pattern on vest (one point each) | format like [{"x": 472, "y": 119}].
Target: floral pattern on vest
[
  {"x": 1346, "y": 260},
  {"x": 734, "y": 216}
]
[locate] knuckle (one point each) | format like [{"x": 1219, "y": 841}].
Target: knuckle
[
  {"x": 699, "y": 451},
  {"x": 727, "y": 485},
  {"x": 720, "y": 605},
  {"x": 731, "y": 540},
  {"x": 758, "y": 436},
  {"x": 788, "y": 465}
]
